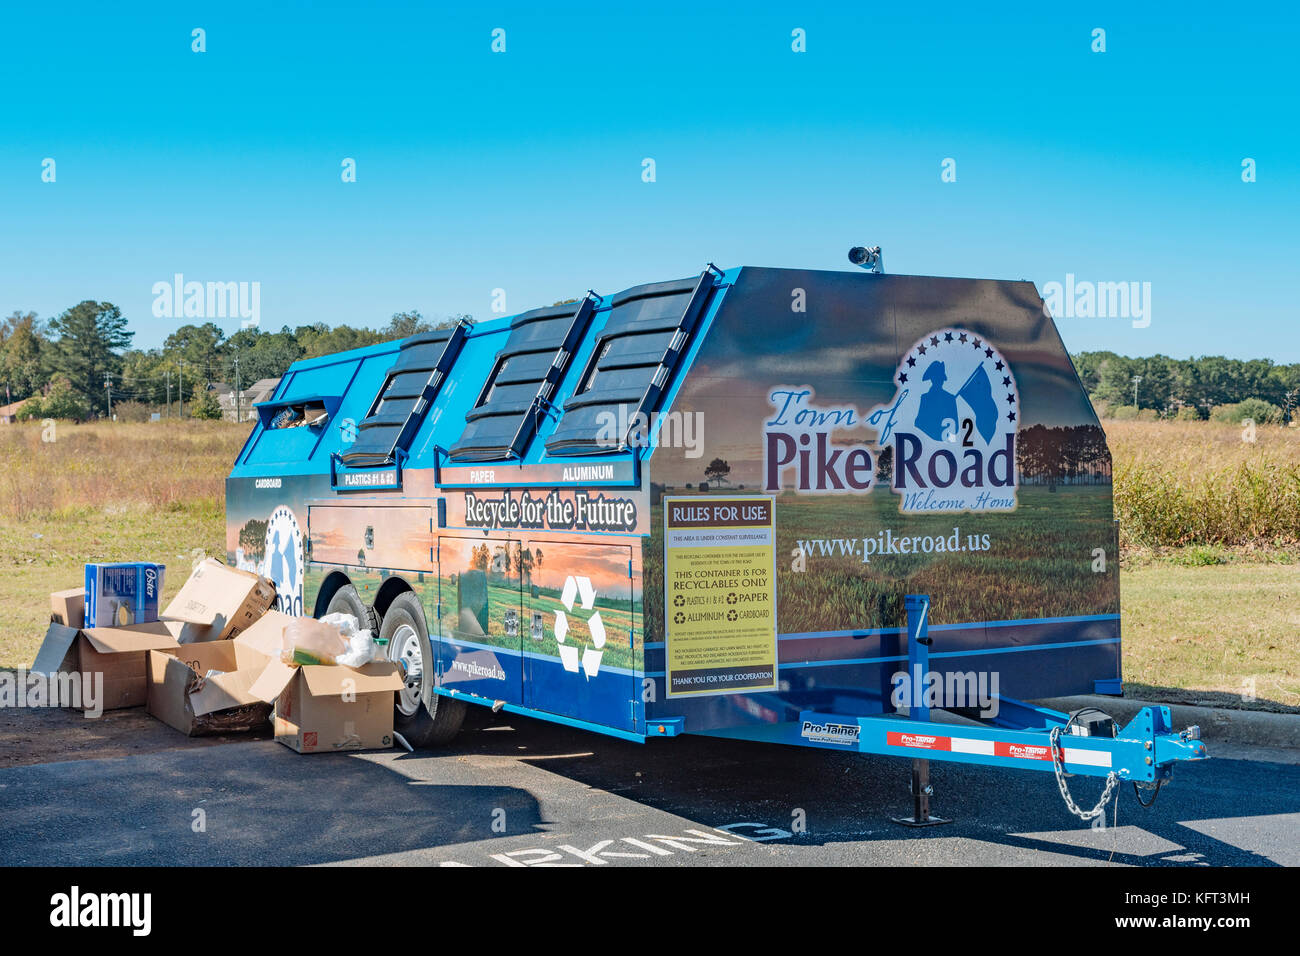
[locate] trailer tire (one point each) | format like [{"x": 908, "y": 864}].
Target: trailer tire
[
  {"x": 422, "y": 717},
  {"x": 346, "y": 600}
]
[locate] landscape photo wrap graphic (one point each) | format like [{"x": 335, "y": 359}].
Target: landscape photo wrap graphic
[
  {"x": 512, "y": 594},
  {"x": 973, "y": 470}
]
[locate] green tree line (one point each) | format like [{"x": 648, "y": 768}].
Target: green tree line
[
  {"x": 69, "y": 364},
  {"x": 1191, "y": 388}
]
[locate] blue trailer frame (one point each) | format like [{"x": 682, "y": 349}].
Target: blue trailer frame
[{"x": 1020, "y": 736}]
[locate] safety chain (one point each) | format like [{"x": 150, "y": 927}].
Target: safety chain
[{"x": 1058, "y": 765}]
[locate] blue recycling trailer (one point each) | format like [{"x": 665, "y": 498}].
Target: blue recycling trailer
[{"x": 795, "y": 506}]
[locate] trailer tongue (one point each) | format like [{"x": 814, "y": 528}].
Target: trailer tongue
[
  {"x": 1019, "y": 736},
  {"x": 803, "y": 507}
]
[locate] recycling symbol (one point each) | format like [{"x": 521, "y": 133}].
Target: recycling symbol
[
  {"x": 679, "y": 618},
  {"x": 731, "y": 615},
  {"x": 731, "y": 597},
  {"x": 576, "y": 587},
  {"x": 678, "y": 601}
]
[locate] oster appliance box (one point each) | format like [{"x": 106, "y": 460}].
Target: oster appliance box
[{"x": 118, "y": 595}]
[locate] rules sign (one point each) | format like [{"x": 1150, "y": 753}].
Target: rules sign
[{"x": 720, "y": 594}]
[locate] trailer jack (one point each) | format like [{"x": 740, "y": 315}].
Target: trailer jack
[
  {"x": 918, "y": 654},
  {"x": 922, "y": 791}
]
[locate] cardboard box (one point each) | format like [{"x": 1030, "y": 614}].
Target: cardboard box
[
  {"x": 69, "y": 607},
  {"x": 218, "y": 602},
  {"x": 181, "y": 697},
  {"x": 222, "y": 703},
  {"x": 326, "y": 709},
  {"x": 118, "y": 653},
  {"x": 118, "y": 595},
  {"x": 323, "y": 708}
]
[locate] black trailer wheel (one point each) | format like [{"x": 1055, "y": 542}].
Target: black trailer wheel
[
  {"x": 424, "y": 718},
  {"x": 346, "y": 600}
]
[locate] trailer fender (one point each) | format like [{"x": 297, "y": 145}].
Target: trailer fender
[
  {"x": 388, "y": 591},
  {"x": 329, "y": 587}
]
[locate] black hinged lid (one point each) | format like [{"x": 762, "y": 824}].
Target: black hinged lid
[
  {"x": 639, "y": 349},
  {"x": 409, "y": 388}
]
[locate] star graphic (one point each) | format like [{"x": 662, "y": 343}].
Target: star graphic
[
  {"x": 977, "y": 343},
  {"x": 947, "y": 336},
  {"x": 988, "y": 353},
  {"x": 1006, "y": 380},
  {"x": 902, "y": 377},
  {"x": 1011, "y": 399},
  {"x": 921, "y": 349},
  {"x": 999, "y": 366},
  {"x": 962, "y": 337},
  {"x": 934, "y": 340},
  {"x": 911, "y": 361},
  {"x": 1011, "y": 416}
]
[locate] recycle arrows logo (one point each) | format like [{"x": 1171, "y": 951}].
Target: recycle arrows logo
[{"x": 579, "y": 588}]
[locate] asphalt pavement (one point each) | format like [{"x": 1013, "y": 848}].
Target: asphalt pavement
[{"x": 512, "y": 791}]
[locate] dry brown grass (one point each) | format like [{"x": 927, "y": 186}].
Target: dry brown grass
[
  {"x": 103, "y": 492},
  {"x": 1221, "y": 635},
  {"x": 155, "y": 492},
  {"x": 113, "y": 465},
  {"x": 1200, "y": 483}
]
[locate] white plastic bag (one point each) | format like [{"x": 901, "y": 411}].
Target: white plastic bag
[
  {"x": 334, "y": 639},
  {"x": 361, "y": 645},
  {"x": 308, "y": 641}
]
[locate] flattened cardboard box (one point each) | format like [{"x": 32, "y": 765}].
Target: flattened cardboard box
[
  {"x": 118, "y": 653},
  {"x": 219, "y": 602},
  {"x": 181, "y": 697},
  {"x": 321, "y": 708}
]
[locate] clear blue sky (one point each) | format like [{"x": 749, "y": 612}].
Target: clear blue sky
[{"x": 522, "y": 170}]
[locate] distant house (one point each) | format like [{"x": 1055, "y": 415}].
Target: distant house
[
  {"x": 9, "y": 413},
  {"x": 259, "y": 391},
  {"x": 263, "y": 389}
]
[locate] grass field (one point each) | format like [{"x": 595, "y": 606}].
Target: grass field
[
  {"x": 1213, "y": 634},
  {"x": 1181, "y": 484},
  {"x": 1210, "y": 586},
  {"x": 103, "y": 492}
]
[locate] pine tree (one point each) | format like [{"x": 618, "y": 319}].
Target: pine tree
[
  {"x": 206, "y": 405},
  {"x": 88, "y": 338}
]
